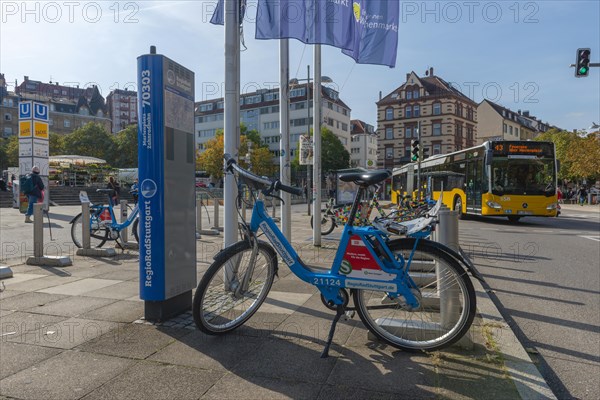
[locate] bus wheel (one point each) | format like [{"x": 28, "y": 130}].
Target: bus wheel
[
  {"x": 513, "y": 218},
  {"x": 458, "y": 207}
]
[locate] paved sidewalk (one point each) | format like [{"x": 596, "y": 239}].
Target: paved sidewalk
[{"x": 76, "y": 333}]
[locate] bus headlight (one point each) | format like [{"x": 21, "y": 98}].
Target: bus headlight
[
  {"x": 494, "y": 205},
  {"x": 552, "y": 206}
]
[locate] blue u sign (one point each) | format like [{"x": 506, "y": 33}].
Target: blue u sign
[
  {"x": 25, "y": 110},
  {"x": 40, "y": 111}
]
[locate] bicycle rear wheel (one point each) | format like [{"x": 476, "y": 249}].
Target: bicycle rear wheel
[
  {"x": 136, "y": 229},
  {"x": 218, "y": 307},
  {"x": 97, "y": 236},
  {"x": 327, "y": 224},
  {"x": 446, "y": 295}
]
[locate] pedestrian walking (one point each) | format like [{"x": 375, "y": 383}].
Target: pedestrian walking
[
  {"x": 33, "y": 187},
  {"x": 582, "y": 195},
  {"x": 114, "y": 185}
]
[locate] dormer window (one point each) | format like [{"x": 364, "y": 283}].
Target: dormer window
[
  {"x": 416, "y": 94},
  {"x": 409, "y": 95}
]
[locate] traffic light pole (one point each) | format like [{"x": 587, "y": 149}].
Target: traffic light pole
[{"x": 419, "y": 162}]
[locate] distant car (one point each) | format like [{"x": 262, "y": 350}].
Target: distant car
[{"x": 200, "y": 184}]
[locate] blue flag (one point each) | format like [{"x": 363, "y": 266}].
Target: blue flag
[
  {"x": 328, "y": 22},
  {"x": 376, "y": 33},
  {"x": 218, "y": 17}
]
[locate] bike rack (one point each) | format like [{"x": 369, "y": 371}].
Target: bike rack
[
  {"x": 124, "y": 233},
  {"x": 38, "y": 243},
  {"x": 86, "y": 249},
  {"x": 199, "y": 205}
]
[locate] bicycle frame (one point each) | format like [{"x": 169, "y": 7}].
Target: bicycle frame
[
  {"x": 375, "y": 266},
  {"x": 115, "y": 225}
]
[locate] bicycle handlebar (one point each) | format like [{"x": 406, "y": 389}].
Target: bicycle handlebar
[{"x": 275, "y": 185}]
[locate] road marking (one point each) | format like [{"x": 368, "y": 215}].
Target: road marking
[{"x": 596, "y": 238}]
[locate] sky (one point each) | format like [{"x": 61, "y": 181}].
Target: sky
[{"x": 515, "y": 53}]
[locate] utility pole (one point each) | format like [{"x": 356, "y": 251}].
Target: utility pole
[
  {"x": 419, "y": 161},
  {"x": 308, "y": 169}
]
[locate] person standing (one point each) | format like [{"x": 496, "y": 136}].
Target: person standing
[
  {"x": 35, "y": 194},
  {"x": 582, "y": 195},
  {"x": 116, "y": 193}
]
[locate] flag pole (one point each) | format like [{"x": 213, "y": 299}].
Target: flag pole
[
  {"x": 232, "y": 113},
  {"x": 317, "y": 147},
  {"x": 284, "y": 144}
]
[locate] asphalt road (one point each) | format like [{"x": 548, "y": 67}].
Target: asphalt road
[{"x": 544, "y": 275}]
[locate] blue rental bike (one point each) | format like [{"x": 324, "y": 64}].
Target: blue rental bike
[
  {"x": 103, "y": 223},
  {"x": 410, "y": 292}
]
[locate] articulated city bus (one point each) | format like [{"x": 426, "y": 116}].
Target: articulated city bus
[{"x": 512, "y": 179}]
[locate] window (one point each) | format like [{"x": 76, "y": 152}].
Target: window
[
  {"x": 389, "y": 114},
  {"x": 206, "y": 107},
  {"x": 437, "y": 129},
  {"x": 437, "y": 149},
  {"x": 271, "y": 96},
  {"x": 271, "y": 125},
  {"x": 8, "y": 131},
  {"x": 344, "y": 111},
  {"x": 505, "y": 128},
  {"x": 416, "y": 111},
  {"x": 298, "y": 92},
  {"x": 408, "y": 112},
  {"x": 407, "y": 151},
  {"x": 344, "y": 127},
  {"x": 7, "y": 117},
  {"x": 252, "y": 99},
  {"x": 409, "y": 95},
  {"x": 300, "y": 105},
  {"x": 220, "y": 105},
  {"x": 389, "y": 152},
  {"x": 517, "y": 132},
  {"x": 510, "y": 130},
  {"x": 416, "y": 94},
  {"x": 408, "y": 131},
  {"x": 67, "y": 123},
  {"x": 437, "y": 108},
  {"x": 330, "y": 105},
  {"x": 389, "y": 133}
]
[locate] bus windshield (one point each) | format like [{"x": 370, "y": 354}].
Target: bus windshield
[{"x": 523, "y": 176}]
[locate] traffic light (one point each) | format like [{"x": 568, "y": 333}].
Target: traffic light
[
  {"x": 415, "y": 150},
  {"x": 582, "y": 66},
  {"x": 425, "y": 153}
]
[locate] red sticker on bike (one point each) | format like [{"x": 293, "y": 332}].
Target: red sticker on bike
[{"x": 359, "y": 263}]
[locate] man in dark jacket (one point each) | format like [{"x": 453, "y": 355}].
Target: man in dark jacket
[{"x": 35, "y": 194}]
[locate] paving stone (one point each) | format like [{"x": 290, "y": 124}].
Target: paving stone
[
  {"x": 148, "y": 380},
  {"x": 67, "y": 376},
  {"x": 339, "y": 391},
  {"x": 124, "y": 274},
  {"x": 5, "y": 294},
  {"x": 69, "y": 333},
  {"x": 19, "y": 278},
  {"x": 134, "y": 341},
  {"x": 293, "y": 361},
  {"x": 283, "y": 302},
  {"x": 384, "y": 368},
  {"x": 80, "y": 287},
  {"x": 47, "y": 282},
  {"x": 17, "y": 323},
  {"x": 257, "y": 387},
  {"x": 118, "y": 291},
  {"x": 18, "y": 356},
  {"x": 204, "y": 351},
  {"x": 29, "y": 300},
  {"x": 120, "y": 311},
  {"x": 71, "y": 306}
]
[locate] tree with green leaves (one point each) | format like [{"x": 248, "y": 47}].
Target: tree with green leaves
[
  {"x": 126, "y": 144},
  {"x": 91, "y": 140},
  {"x": 56, "y": 144},
  {"x": 211, "y": 159}
]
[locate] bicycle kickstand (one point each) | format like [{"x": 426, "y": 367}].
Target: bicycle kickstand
[{"x": 339, "y": 312}]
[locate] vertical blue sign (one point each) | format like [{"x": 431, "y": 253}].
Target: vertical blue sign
[{"x": 151, "y": 177}]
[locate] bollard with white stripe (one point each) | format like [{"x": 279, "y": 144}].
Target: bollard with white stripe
[
  {"x": 86, "y": 249},
  {"x": 38, "y": 243},
  {"x": 199, "y": 230}
]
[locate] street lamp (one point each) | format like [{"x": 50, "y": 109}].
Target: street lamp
[{"x": 296, "y": 81}]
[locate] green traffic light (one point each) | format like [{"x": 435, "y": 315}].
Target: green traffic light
[
  {"x": 414, "y": 158},
  {"x": 583, "y": 70}
]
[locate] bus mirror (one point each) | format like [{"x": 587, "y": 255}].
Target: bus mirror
[{"x": 488, "y": 156}]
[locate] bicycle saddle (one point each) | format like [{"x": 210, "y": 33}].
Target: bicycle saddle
[{"x": 366, "y": 178}]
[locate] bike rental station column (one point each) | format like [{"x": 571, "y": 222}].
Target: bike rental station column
[{"x": 166, "y": 161}]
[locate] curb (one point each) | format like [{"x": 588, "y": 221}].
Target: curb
[{"x": 520, "y": 368}]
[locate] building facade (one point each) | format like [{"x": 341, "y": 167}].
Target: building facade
[
  {"x": 260, "y": 111},
  {"x": 446, "y": 117},
  {"x": 122, "y": 108},
  {"x": 363, "y": 145},
  {"x": 500, "y": 123},
  {"x": 69, "y": 107}
]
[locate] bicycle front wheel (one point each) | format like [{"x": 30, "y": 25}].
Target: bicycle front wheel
[
  {"x": 135, "y": 227},
  {"x": 447, "y": 302},
  {"x": 222, "y": 301},
  {"x": 97, "y": 236}
]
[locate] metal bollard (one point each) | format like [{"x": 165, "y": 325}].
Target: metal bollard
[
  {"x": 447, "y": 234},
  {"x": 216, "y": 216},
  {"x": 38, "y": 230},
  {"x": 85, "y": 223},
  {"x": 124, "y": 235},
  {"x": 199, "y": 229}
]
